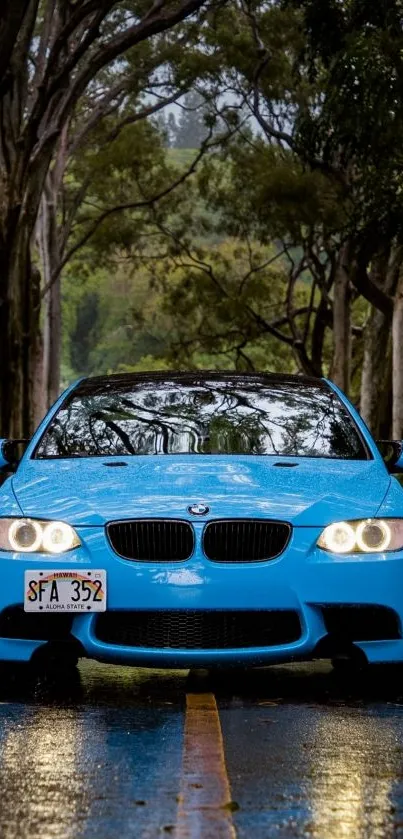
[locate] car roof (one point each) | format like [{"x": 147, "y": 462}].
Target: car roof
[{"x": 189, "y": 378}]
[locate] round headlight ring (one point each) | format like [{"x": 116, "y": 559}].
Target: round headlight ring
[
  {"x": 65, "y": 542},
  {"x": 330, "y": 538},
  {"x": 384, "y": 540},
  {"x": 13, "y": 535}
]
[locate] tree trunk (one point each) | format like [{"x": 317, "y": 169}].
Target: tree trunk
[
  {"x": 397, "y": 363},
  {"x": 52, "y": 342},
  {"x": 384, "y": 431},
  {"x": 377, "y": 342},
  {"x": 47, "y": 236},
  {"x": 321, "y": 322},
  {"x": 341, "y": 363},
  {"x": 19, "y": 334},
  {"x": 36, "y": 384},
  {"x": 49, "y": 56}
]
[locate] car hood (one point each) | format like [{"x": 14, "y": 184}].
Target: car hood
[{"x": 307, "y": 492}]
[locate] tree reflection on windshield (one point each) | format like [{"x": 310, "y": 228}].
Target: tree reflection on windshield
[{"x": 234, "y": 416}]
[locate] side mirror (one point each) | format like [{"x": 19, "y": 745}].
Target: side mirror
[
  {"x": 392, "y": 453},
  {"x": 10, "y": 452}
]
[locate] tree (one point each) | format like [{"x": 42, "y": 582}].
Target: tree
[
  {"x": 190, "y": 130},
  {"x": 172, "y": 129},
  {"x": 113, "y": 170},
  {"x": 258, "y": 198},
  {"x": 226, "y": 304},
  {"x": 356, "y": 50},
  {"x": 52, "y": 53},
  {"x": 231, "y": 300},
  {"x": 323, "y": 82}
]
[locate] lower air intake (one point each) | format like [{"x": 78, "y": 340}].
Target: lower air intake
[
  {"x": 15, "y": 623},
  {"x": 198, "y": 630},
  {"x": 361, "y": 623}
]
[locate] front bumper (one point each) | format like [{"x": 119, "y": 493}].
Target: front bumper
[{"x": 304, "y": 579}]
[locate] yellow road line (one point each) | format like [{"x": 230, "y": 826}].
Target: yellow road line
[{"x": 204, "y": 809}]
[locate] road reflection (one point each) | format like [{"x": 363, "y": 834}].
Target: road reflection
[
  {"x": 42, "y": 785},
  {"x": 97, "y": 752},
  {"x": 356, "y": 761},
  {"x": 312, "y": 754},
  {"x": 89, "y": 763}
]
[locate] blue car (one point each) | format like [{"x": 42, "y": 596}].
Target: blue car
[{"x": 201, "y": 519}]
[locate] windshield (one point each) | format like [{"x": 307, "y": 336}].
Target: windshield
[{"x": 208, "y": 417}]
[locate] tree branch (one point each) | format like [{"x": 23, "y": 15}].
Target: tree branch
[
  {"x": 131, "y": 205},
  {"x": 143, "y": 114},
  {"x": 157, "y": 23},
  {"x": 207, "y": 269},
  {"x": 12, "y": 13},
  {"x": 362, "y": 282}
]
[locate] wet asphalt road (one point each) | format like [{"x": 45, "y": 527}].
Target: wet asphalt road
[{"x": 98, "y": 752}]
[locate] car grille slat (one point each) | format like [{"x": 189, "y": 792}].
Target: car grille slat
[
  {"x": 198, "y": 630},
  {"x": 152, "y": 540},
  {"x": 245, "y": 540}
]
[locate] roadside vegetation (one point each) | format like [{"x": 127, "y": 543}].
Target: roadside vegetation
[{"x": 201, "y": 184}]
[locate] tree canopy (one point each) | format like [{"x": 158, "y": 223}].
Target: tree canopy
[{"x": 201, "y": 184}]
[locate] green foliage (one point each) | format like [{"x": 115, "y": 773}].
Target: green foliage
[
  {"x": 223, "y": 302},
  {"x": 266, "y": 192},
  {"x": 110, "y": 319},
  {"x": 175, "y": 315},
  {"x": 194, "y": 281},
  {"x": 354, "y": 52},
  {"x": 129, "y": 170},
  {"x": 182, "y": 158}
]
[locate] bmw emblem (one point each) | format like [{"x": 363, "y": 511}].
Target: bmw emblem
[{"x": 198, "y": 509}]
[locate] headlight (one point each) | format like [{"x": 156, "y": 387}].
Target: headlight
[
  {"x": 364, "y": 536},
  {"x": 33, "y": 536}
]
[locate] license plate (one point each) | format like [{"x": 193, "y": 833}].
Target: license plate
[{"x": 47, "y": 590}]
